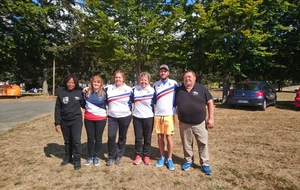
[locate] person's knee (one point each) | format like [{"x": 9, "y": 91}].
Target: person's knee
[
  {"x": 160, "y": 137},
  {"x": 169, "y": 137}
]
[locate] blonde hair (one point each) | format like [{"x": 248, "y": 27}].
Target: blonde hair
[
  {"x": 100, "y": 91},
  {"x": 145, "y": 74}
]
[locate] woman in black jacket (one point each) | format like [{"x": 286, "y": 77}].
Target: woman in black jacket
[{"x": 68, "y": 119}]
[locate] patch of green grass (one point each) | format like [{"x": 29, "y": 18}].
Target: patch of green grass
[
  {"x": 177, "y": 182},
  {"x": 18, "y": 183},
  {"x": 78, "y": 185}
]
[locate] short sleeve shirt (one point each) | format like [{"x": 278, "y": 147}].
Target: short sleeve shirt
[
  {"x": 191, "y": 106},
  {"x": 165, "y": 97}
]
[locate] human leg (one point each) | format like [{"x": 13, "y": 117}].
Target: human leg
[
  {"x": 147, "y": 135},
  {"x": 201, "y": 135},
  {"x": 186, "y": 135},
  {"x": 168, "y": 123},
  {"x": 66, "y": 132},
  {"x": 90, "y": 131},
  {"x": 99, "y": 129},
  {"x": 112, "y": 133},
  {"x": 76, "y": 130},
  {"x": 138, "y": 133},
  {"x": 124, "y": 124}
]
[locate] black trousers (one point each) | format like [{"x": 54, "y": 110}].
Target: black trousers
[
  {"x": 116, "y": 149},
  {"x": 94, "y": 130},
  {"x": 71, "y": 131},
  {"x": 143, "y": 128}
]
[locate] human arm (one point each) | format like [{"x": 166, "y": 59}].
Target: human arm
[
  {"x": 211, "y": 110},
  {"x": 57, "y": 115}
]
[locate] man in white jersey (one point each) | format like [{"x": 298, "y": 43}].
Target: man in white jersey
[{"x": 164, "y": 116}]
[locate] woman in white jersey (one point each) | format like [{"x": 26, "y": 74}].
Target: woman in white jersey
[
  {"x": 119, "y": 116},
  {"x": 143, "y": 113}
]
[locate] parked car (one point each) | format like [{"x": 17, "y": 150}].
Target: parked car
[
  {"x": 252, "y": 93},
  {"x": 297, "y": 99}
]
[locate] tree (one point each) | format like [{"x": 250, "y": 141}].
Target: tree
[
  {"x": 131, "y": 35},
  {"x": 230, "y": 37}
]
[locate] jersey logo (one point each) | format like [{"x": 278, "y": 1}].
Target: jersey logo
[{"x": 66, "y": 100}]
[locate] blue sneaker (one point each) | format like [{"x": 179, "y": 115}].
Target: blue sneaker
[
  {"x": 186, "y": 166},
  {"x": 170, "y": 164},
  {"x": 160, "y": 162},
  {"x": 89, "y": 161},
  {"x": 96, "y": 161},
  {"x": 206, "y": 170}
]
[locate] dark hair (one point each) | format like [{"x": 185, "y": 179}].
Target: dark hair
[
  {"x": 71, "y": 76},
  {"x": 189, "y": 71}
]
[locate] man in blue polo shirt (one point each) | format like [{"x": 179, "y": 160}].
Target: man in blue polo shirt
[{"x": 191, "y": 100}]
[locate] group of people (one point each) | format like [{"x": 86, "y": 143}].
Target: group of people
[{"x": 188, "y": 100}]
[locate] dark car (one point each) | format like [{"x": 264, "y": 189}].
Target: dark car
[{"x": 252, "y": 93}]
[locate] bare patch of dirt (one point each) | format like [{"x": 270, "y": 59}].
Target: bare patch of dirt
[{"x": 249, "y": 149}]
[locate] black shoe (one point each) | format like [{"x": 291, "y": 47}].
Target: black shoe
[
  {"x": 77, "y": 165},
  {"x": 66, "y": 161}
]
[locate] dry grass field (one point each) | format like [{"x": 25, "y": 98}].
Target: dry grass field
[{"x": 249, "y": 149}]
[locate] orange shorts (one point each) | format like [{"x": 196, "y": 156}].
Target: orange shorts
[{"x": 164, "y": 124}]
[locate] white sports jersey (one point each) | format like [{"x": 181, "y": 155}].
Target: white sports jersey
[
  {"x": 119, "y": 100},
  {"x": 143, "y": 101},
  {"x": 165, "y": 97}
]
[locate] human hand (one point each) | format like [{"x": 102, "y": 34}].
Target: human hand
[
  {"x": 210, "y": 123},
  {"x": 58, "y": 128},
  {"x": 85, "y": 89}
]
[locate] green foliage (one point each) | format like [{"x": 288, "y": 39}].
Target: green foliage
[{"x": 219, "y": 40}]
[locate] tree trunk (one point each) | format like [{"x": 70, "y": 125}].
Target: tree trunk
[
  {"x": 226, "y": 87},
  {"x": 45, "y": 85}
]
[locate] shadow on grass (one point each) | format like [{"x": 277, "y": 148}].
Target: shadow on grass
[
  {"x": 285, "y": 105},
  {"x": 57, "y": 150}
]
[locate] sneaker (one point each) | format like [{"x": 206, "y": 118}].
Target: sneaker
[
  {"x": 118, "y": 160},
  {"x": 186, "y": 166},
  {"x": 137, "y": 160},
  {"x": 170, "y": 164},
  {"x": 206, "y": 170},
  {"x": 96, "y": 161},
  {"x": 160, "y": 162},
  {"x": 89, "y": 161},
  {"x": 109, "y": 162},
  {"x": 147, "y": 160}
]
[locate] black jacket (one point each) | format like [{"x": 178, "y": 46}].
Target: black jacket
[{"x": 68, "y": 105}]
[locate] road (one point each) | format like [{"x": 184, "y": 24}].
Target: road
[{"x": 12, "y": 113}]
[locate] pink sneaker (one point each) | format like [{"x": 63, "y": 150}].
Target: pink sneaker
[
  {"x": 137, "y": 160},
  {"x": 147, "y": 160}
]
